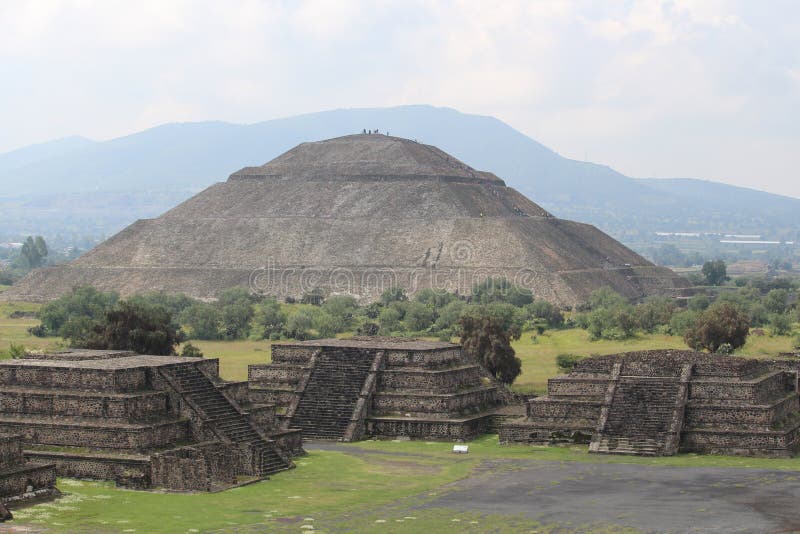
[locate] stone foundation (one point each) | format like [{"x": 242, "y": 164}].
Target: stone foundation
[
  {"x": 140, "y": 420},
  {"x": 20, "y": 478},
  {"x": 639, "y": 403},
  {"x": 419, "y": 389}
]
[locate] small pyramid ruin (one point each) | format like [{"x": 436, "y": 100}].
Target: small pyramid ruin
[
  {"x": 661, "y": 402},
  {"x": 346, "y": 389},
  {"x": 357, "y": 215},
  {"x": 141, "y": 421}
]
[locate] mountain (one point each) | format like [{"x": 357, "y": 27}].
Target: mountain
[
  {"x": 173, "y": 161},
  {"x": 22, "y": 157}
]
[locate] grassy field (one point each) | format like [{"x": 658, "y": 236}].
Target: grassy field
[
  {"x": 341, "y": 491},
  {"x": 538, "y": 356}
]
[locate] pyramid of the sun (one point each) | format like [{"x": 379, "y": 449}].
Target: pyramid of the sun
[{"x": 356, "y": 214}]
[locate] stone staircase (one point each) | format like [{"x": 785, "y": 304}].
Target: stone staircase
[
  {"x": 331, "y": 393},
  {"x": 641, "y": 417},
  {"x": 227, "y": 420}
]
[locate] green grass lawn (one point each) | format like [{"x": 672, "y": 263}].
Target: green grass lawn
[
  {"x": 333, "y": 490},
  {"x": 16, "y": 330}
]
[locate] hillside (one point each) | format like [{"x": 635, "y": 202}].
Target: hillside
[{"x": 150, "y": 171}]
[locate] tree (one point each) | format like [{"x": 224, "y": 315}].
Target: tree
[
  {"x": 236, "y": 319},
  {"x": 325, "y": 324},
  {"x": 699, "y": 303},
  {"x": 389, "y": 319},
  {"x": 655, "y": 312},
  {"x": 34, "y": 251},
  {"x": 501, "y": 290},
  {"x": 720, "y": 324},
  {"x": 72, "y": 315},
  {"x": 484, "y": 339},
  {"x": 203, "y": 320},
  {"x": 299, "y": 323},
  {"x": 268, "y": 319},
  {"x": 781, "y": 324},
  {"x": 715, "y": 272},
  {"x": 393, "y": 294},
  {"x": 611, "y": 316},
  {"x": 418, "y": 316},
  {"x": 142, "y": 329},
  {"x": 341, "y": 309},
  {"x": 541, "y": 310},
  {"x": 449, "y": 315},
  {"x": 434, "y": 299},
  {"x": 683, "y": 321},
  {"x": 775, "y": 301}
]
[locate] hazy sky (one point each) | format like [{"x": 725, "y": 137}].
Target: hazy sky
[{"x": 682, "y": 88}]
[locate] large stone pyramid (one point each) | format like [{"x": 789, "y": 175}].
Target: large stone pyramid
[{"x": 356, "y": 214}]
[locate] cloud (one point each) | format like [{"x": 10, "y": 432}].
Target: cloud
[{"x": 650, "y": 86}]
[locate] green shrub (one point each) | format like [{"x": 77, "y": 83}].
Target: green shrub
[
  {"x": 781, "y": 324},
  {"x": 566, "y": 362},
  {"x": 418, "y": 317},
  {"x": 190, "y": 351},
  {"x": 299, "y": 324},
  {"x": 389, "y": 319},
  {"x": 16, "y": 351},
  {"x": 501, "y": 290},
  {"x": 203, "y": 320},
  {"x": 722, "y": 323}
]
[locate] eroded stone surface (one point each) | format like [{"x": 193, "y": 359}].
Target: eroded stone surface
[
  {"x": 357, "y": 215},
  {"x": 659, "y": 402},
  {"x": 141, "y": 420}
]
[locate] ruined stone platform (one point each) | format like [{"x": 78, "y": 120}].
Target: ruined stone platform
[
  {"x": 660, "y": 402},
  {"x": 346, "y": 389},
  {"x": 141, "y": 420},
  {"x": 22, "y": 480}
]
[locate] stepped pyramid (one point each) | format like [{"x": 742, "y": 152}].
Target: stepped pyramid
[
  {"x": 346, "y": 389},
  {"x": 142, "y": 421},
  {"x": 660, "y": 402},
  {"x": 356, "y": 214}
]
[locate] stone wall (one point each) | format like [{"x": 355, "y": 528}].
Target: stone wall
[
  {"x": 198, "y": 467},
  {"x": 10, "y": 451},
  {"x": 100, "y": 435},
  {"x": 108, "y": 406},
  {"x": 443, "y": 381},
  {"x": 429, "y": 429},
  {"x": 270, "y": 373},
  {"x": 26, "y": 480},
  {"x": 766, "y": 389},
  {"x": 433, "y": 405},
  {"x": 119, "y": 380},
  {"x": 291, "y": 354},
  {"x": 127, "y": 471},
  {"x": 428, "y": 359},
  {"x": 735, "y": 416}
]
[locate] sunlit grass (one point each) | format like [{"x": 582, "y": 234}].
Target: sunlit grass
[{"x": 337, "y": 491}]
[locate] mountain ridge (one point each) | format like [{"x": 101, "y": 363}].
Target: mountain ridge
[{"x": 186, "y": 157}]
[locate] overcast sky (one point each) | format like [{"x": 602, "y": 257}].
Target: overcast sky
[{"x": 682, "y": 88}]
